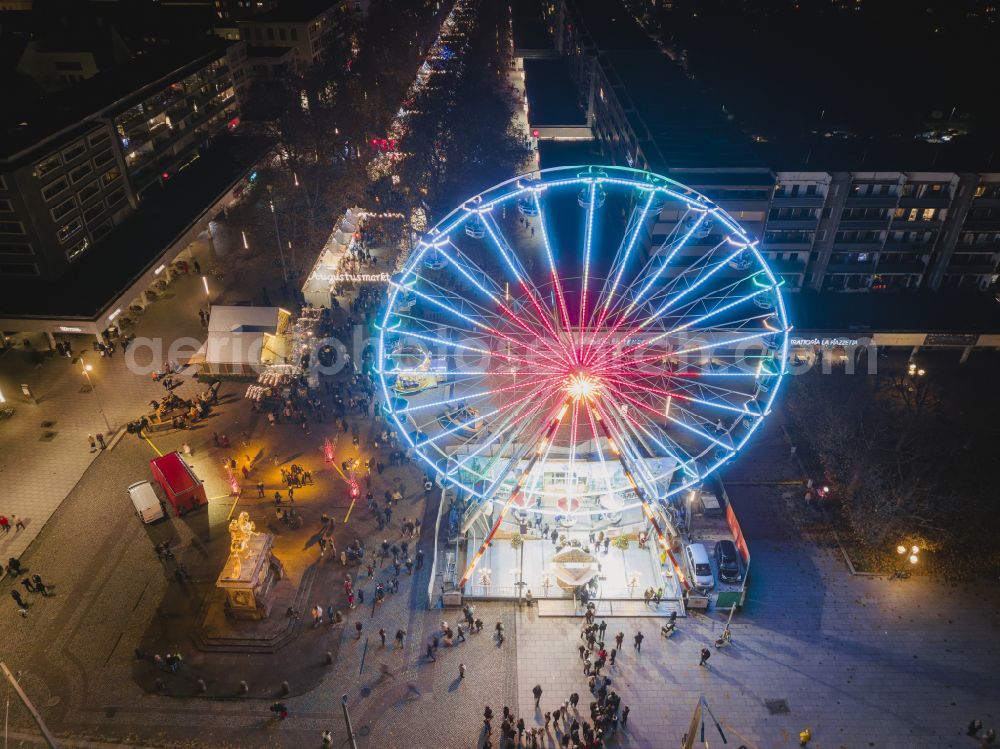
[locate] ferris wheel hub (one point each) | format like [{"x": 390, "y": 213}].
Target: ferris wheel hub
[{"x": 582, "y": 385}]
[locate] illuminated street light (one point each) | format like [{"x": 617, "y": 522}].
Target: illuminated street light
[
  {"x": 87, "y": 369},
  {"x": 914, "y": 558},
  {"x": 245, "y": 245},
  {"x": 901, "y": 549}
]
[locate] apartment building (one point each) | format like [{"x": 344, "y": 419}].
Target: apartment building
[
  {"x": 826, "y": 222},
  {"x": 308, "y": 28},
  {"x": 77, "y": 163}
]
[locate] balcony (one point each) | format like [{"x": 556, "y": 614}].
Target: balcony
[
  {"x": 798, "y": 201},
  {"x": 982, "y": 224},
  {"x": 863, "y": 268},
  {"x": 857, "y": 246},
  {"x": 940, "y": 200},
  {"x": 787, "y": 266},
  {"x": 796, "y": 224},
  {"x": 973, "y": 269},
  {"x": 901, "y": 224},
  {"x": 921, "y": 247},
  {"x": 776, "y": 246},
  {"x": 872, "y": 201},
  {"x": 858, "y": 224},
  {"x": 897, "y": 269},
  {"x": 986, "y": 202}
]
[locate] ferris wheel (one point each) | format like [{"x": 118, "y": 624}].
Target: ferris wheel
[{"x": 582, "y": 340}]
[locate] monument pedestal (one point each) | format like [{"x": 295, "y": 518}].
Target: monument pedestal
[{"x": 248, "y": 579}]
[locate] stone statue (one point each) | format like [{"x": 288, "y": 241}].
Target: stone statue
[{"x": 241, "y": 530}]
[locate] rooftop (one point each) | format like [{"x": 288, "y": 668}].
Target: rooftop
[
  {"x": 530, "y": 30},
  {"x": 878, "y": 86},
  {"x": 610, "y": 26},
  {"x": 922, "y": 312},
  {"x": 678, "y": 125},
  {"x": 31, "y": 120},
  {"x": 112, "y": 265},
  {"x": 552, "y": 95},
  {"x": 294, "y": 11}
]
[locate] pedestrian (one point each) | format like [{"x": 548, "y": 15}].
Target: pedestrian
[
  {"x": 260, "y": 490},
  {"x": 93, "y": 444},
  {"x": 705, "y": 655},
  {"x": 317, "y": 614},
  {"x": 638, "y": 641},
  {"x": 18, "y": 600},
  {"x": 400, "y": 634},
  {"x": 619, "y": 639},
  {"x": 975, "y": 726},
  {"x": 28, "y": 585},
  {"x": 537, "y": 691},
  {"x": 603, "y": 626},
  {"x": 381, "y": 636},
  {"x": 420, "y": 558},
  {"x": 430, "y": 652},
  {"x": 5, "y": 523},
  {"x": 461, "y": 670},
  {"x": 625, "y": 712},
  {"x": 101, "y": 442},
  {"x": 613, "y": 655},
  {"x": 327, "y": 739},
  {"x": 39, "y": 585},
  {"x": 548, "y": 719},
  {"x": 280, "y": 710},
  {"x": 18, "y": 523}
]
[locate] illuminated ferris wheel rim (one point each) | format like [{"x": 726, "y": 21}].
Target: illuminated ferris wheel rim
[{"x": 531, "y": 189}]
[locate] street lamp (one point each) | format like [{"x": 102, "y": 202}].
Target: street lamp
[
  {"x": 914, "y": 552},
  {"x": 347, "y": 720},
  {"x": 87, "y": 369}
]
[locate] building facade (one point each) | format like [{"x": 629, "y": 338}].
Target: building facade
[
  {"x": 308, "y": 30},
  {"x": 821, "y": 230},
  {"x": 62, "y": 193}
]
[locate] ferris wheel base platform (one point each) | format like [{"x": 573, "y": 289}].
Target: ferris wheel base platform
[{"x": 610, "y": 608}]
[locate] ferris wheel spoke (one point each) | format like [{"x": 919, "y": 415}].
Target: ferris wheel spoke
[
  {"x": 621, "y": 262},
  {"x": 691, "y": 324},
  {"x": 511, "y": 315},
  {"x": 478, "y": 323},
  {"x": 672, "y": 301},
  {"x": 600, "y": 450},
  {"x": 511, "y": 421},
  {"x": 634, "y": 302},
  {"x": 556, "y": 282},
  {"x": 683, "y": 397},
  {"x": 588, "y": 235},
  {"x": 526, "y": 285}
]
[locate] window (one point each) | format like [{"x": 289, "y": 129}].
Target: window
[
  {"x": 3, "y": 182},
  {"x": 88, "y": 192},
  {"x": 110, "y": 176},
  {"x": 103, "y": 158},
  {"x": 16, "y": 248},
  {"x": 94, "y": 211},
  {"x": 810, "y": 189},
  {"x": 79, "y": 173},
  {"x": 78, "y": 249},
  {"x": 74, "y": 152},
  {"x": 295, "y": 34},
  {"x": 97, "y": 138},
  {"x": 281, "y": 34},
  {"x": 928, "y": 214},
  {"x": 63, "y": 208},
  {"x": 18, "y": 269},
  {"x": 54, "y": 188},
  {"x": 116, "y": 196},
  {"x": 270, "y": 35},
  {"x": 43, "y": 168},
  {"x": 11, "y": 227},
  {"x": 256, "y": 34},
  {"x": 67, "y": 230},
  {"x": 6, "y": 206},
  {"x": 912, "y": 216}
]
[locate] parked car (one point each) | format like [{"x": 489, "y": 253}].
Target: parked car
[
  {"x": 699, "y": 566},
  {"x": 728, "y": 560}
]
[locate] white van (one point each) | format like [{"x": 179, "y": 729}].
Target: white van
[
  {"x": 146, "y": 503},
  {"x": 699, "y": 566}
]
